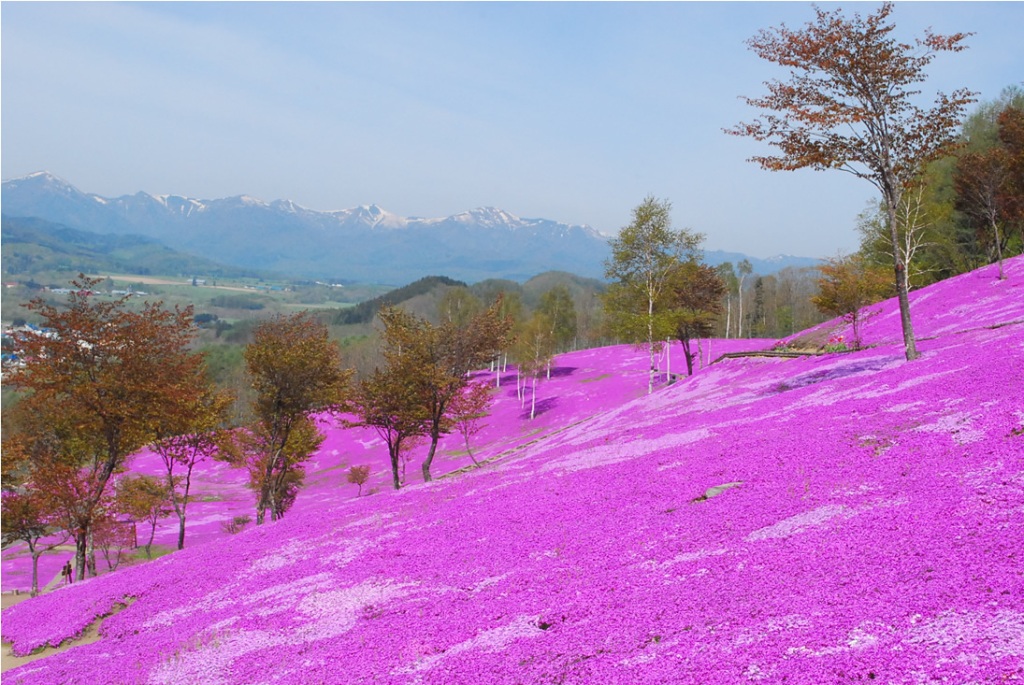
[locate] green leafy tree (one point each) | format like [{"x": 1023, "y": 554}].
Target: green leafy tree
[
  {"x": 696, "y": 294},
  {"x": 745, "y": 268},
  {"x": 458, "y": 306},
  {"x": 557, "y": 305},
  {"x": 143, "y": 499},
  {"x": 849, "y": 104},
  {"x": 643, "y": 258},
  {"x": 727, "y": 273},
  {"x": 534, "y": 350},
  {"x": 295, "y": 370}
]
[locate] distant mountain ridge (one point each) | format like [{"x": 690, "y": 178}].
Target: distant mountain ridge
[
  {"x": 32, "y": 245},
  {"x": 365, "y": 243}
]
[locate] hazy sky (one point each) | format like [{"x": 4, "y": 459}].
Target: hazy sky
[{"x": 567, "y": 111}]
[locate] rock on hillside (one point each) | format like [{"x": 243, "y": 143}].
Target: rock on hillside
[{"x": 871, "y": 530}]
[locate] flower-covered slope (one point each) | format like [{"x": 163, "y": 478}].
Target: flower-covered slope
[
  {"x": 850, "y": 517},
  {"x": 582, "y": 384}
]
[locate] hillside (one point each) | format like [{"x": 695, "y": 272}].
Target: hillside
[
  {"x": 32, "y": 245},
  {"x": 838, "y": 518}
]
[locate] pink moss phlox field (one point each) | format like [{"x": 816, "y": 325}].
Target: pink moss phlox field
[{"x": 839, "y": 518}]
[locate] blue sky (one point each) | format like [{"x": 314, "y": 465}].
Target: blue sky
[{"x": 567, "y": 111}]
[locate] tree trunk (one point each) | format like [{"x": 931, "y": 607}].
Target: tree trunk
[
  {"x": 650, "y": 343},
  {"x": 739, "y": 316},
  {"x": 393, "y": 452},
  {"x": 999, "y": 249},
  {"x": 435, "y": 435},
  {"x": 149, "y": 544},
  {"x": 533, "y": 404},
  {"x": 688, "y": 355},
  {"x": 728, "y": 315},
  {"x": 909, "y": 343},
  {"x": 181, "y": 529},
  {"x": 91, "y": 555},
  {"x": 81, "y": 546},
  {"x": 668, "y": 360},
  {"x": 184, "y": 505},
  {"x": 35, "y": 568}
]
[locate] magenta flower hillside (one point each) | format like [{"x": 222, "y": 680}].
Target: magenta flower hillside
[
  {"x": 583, "y": 384},
  {"x": 847, "y": 517}
]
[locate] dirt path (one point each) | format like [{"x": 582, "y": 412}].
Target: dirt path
[{"x": 90, "y": 635}]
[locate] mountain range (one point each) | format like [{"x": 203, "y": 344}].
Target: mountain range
[{"x": 365, "y": 243}]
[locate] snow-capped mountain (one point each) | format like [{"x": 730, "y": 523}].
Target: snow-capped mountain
[{"x": 365, "y": 243}]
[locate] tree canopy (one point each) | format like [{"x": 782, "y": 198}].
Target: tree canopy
[
  {"x": 100, "y": 377},
  {"x": 850, "y": 104},
  {"x": 643, "y": 257}
]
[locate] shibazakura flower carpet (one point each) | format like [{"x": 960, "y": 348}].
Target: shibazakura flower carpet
[{"x": 849, "y": 517}]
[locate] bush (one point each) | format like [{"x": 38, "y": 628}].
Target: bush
[
  {"x": 358, "y": 475},
  {"x": 236, "y": 525}
]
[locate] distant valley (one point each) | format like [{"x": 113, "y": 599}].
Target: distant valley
[{"x": 363, "y": 244}]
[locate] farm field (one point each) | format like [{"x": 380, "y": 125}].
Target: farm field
[{"x": 838, "y": 518}]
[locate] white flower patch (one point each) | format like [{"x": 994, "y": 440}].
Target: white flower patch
[
  {"x": 616, "y": 453},
  {"x": 801, "y": 522},
  {"x": 335, "y": 612},
  {"x": 957, "y": 426},
  {"x": 863, "y": 636},
  {"x": 376, "y": 519},
  {"x": 902, "y": 407},
  {"x": 1001, "y": 631},
  {"x": 210, "y": 663},
  {"x": 493, "y": 640},
  {"x": 487, "y": 582},
  {"x": 681, "y": 559},
  {"x": 280, "y": 598},
  {"x": 291, "y": 552}
]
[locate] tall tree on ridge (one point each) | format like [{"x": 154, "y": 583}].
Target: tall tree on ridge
[{"x": 849, "y": 105}]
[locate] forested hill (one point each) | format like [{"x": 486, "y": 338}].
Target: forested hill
[
  {"x": 365, "y": 311},
  {"x": 32, "y": 245}
]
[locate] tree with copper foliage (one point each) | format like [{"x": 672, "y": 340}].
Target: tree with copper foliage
[
  {"x": 696, "y": 292},
  {"x": 99, "y": 377},
  {"x": 990, "y": 185},
  {"x": 295, "y": 371},
  {"x": 187, "y": 435},
  {"x": 451, "y": 352},
  {"x": 848, "y": 285},
  {"x": 392, "y": 400},
  {"x": 28, "y": 515},
  {"x": 468, "y": 410},
  {"x": 849, "y": 104}
]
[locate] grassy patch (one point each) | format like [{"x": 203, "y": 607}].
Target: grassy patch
[{"x": 596, "y": 378}]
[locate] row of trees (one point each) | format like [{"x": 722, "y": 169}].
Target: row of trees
[{"x": 100, "y": 381}]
